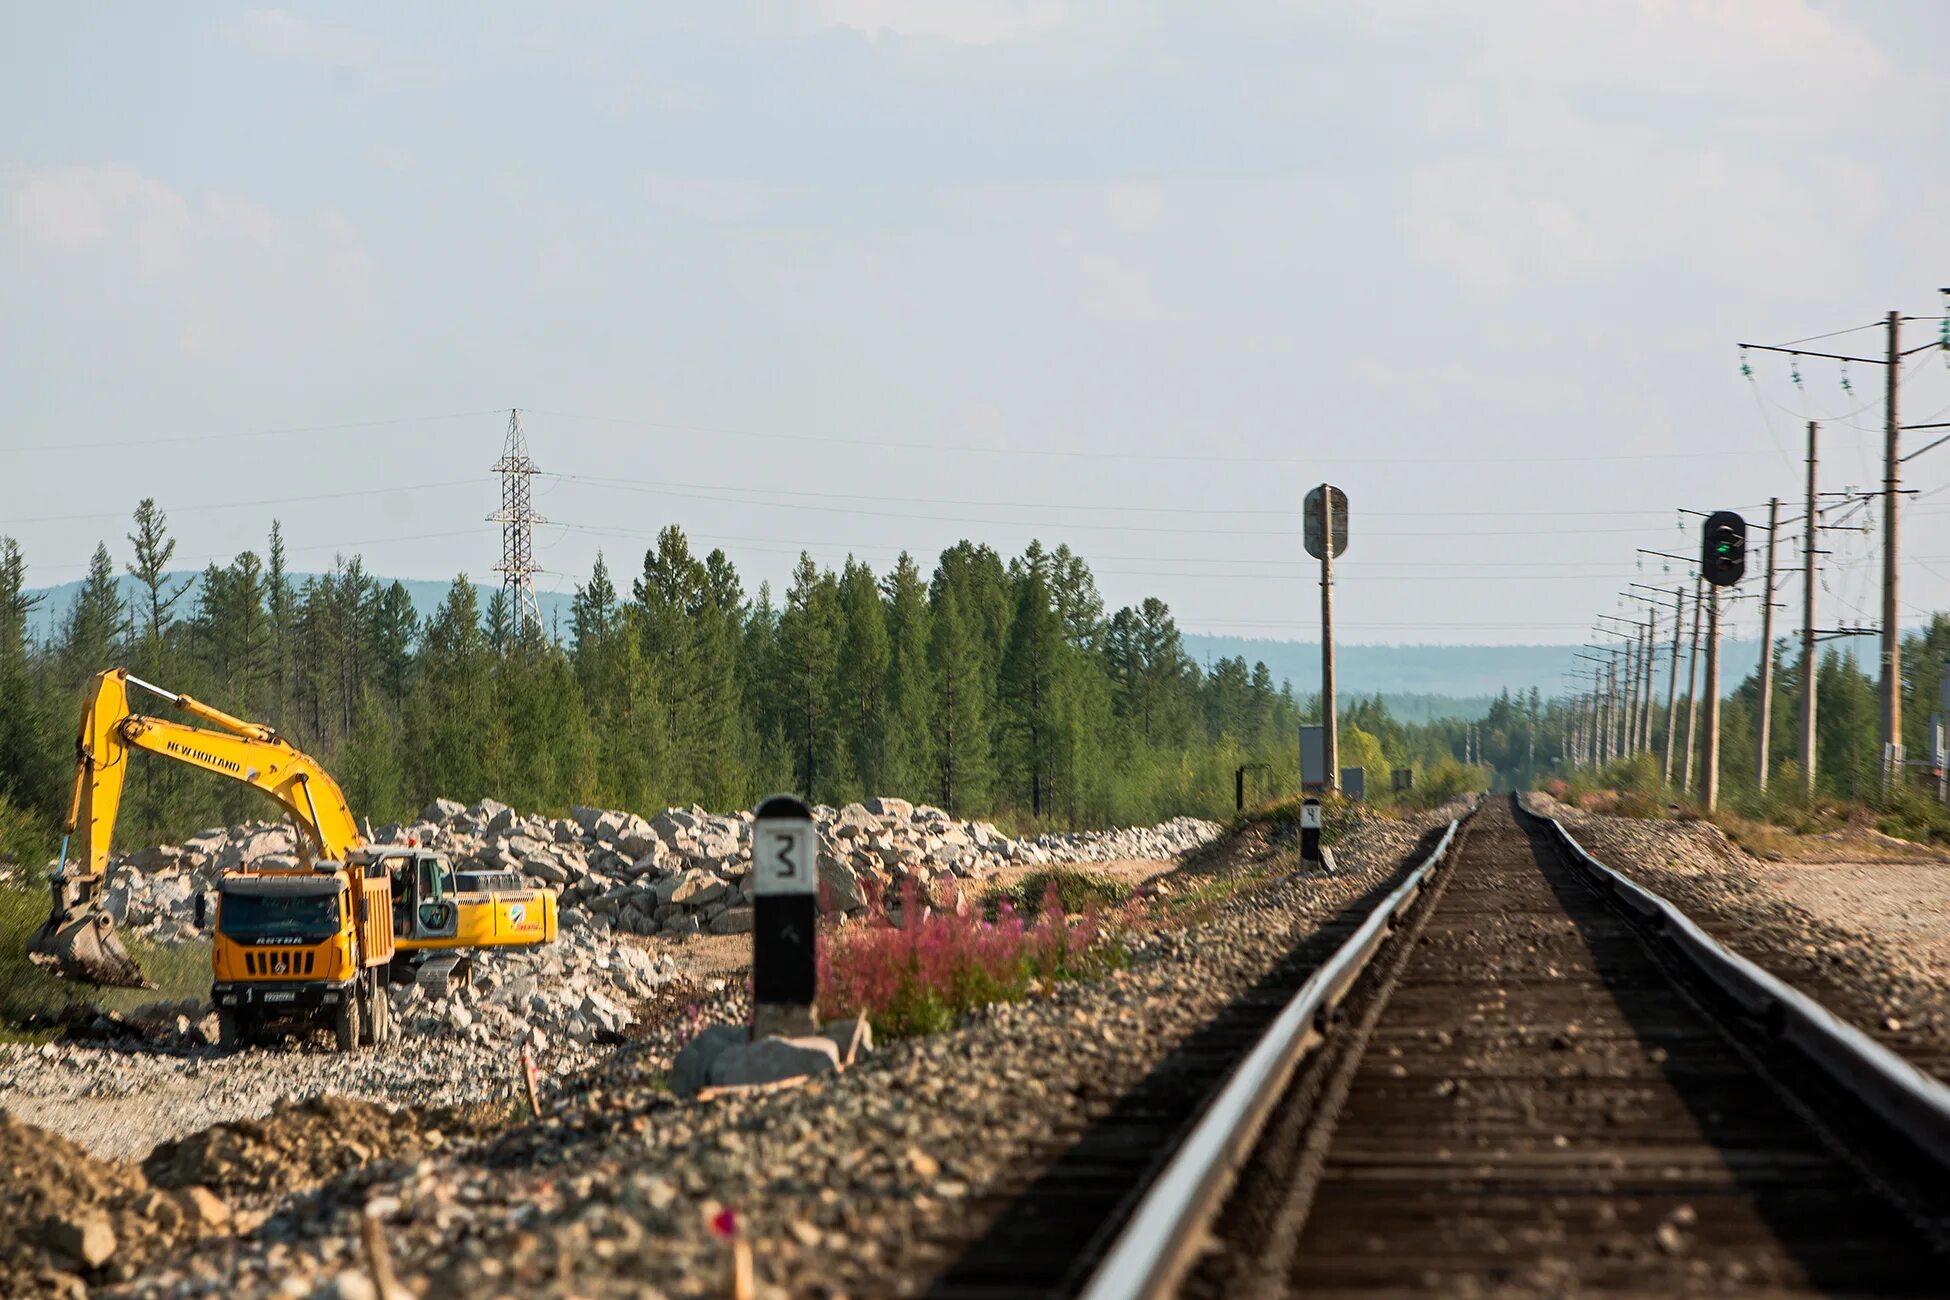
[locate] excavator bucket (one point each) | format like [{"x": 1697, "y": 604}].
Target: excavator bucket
[{"x": 79, "y": 941}]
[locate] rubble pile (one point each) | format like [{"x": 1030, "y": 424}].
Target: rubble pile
[
  {"x": 680, "y": 872},
  {"x": 564, "y": 997},
  {"x": 69, "y": 1217},
  {"x": 686, "y": 870}
]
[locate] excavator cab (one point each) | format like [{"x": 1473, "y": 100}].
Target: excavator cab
[{"x": 423, "y": 897}]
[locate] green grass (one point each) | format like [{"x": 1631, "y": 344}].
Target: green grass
[
  {"x": 27, "y": 993},
  {"x": 1077, "y": 891},
  {"x": 1189, "y": 904}
]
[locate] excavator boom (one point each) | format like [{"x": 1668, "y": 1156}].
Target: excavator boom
[{"x": 79, "y": 938}]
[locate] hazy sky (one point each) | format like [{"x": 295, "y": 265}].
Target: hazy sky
[{"x": 859, "y": 275}]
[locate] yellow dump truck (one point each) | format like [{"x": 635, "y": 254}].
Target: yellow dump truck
[{"x": 306, "y": 944}]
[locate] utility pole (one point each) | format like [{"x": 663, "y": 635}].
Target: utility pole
[
  {"x": 1892, "y": 632},
  {"x": 1808, "y": 581},
  {"x": 1692, "y": 684},
  {"x": 1672, "y": 686},
  {"x": 1710, "y": 784},
  {"x": 1330, "y": 722},
  {"x": 1651, "y": 671},
  {"x": 1631, "y": 694},
  {"x": 1641, "y": 737},
  {"x": 1613, "y": 736},
  {"x": 1767, "y": 648}
]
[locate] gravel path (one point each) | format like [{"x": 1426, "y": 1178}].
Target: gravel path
[
  {"x": 859, "y": 1184},
  {"x": 1869, "y": 940},
  {"x": 119, "y": 1102}
]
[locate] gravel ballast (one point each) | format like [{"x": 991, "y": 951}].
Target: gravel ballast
[
  {"x": 868, "y": 1182},
  {"x": 1811, "y": 924}
]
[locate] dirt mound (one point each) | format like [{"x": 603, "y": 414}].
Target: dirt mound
[
  {"x": 296, "y": 1145},
  {"x": 68, "y": 1218}
]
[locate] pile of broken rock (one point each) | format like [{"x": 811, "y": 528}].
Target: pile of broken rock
[{"x": 680, "y": 872}]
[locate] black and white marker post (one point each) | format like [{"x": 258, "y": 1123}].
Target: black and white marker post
[
  {"x": 1312, "y": 853},
  {"x": 785, "y": 918}
]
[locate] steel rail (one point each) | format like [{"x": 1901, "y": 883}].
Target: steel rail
[
  {"x": 1164, "y": 1233},
  {"x": 1904, "y": 1097}
]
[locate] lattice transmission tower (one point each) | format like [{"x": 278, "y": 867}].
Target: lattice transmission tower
[{"x": 517, "y": 518}]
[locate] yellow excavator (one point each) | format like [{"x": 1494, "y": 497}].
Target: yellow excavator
[{"x": 316, "y": 941}]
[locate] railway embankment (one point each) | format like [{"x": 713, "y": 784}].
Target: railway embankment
[{"x": 870, "y": 1181}]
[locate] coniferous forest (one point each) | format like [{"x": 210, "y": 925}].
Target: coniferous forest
[{"x": 988, "y": 686}]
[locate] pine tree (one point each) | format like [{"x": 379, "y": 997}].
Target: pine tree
[
  {"x": 394, "y": 625},
  {"x": 668, "y": 598},
  {"x": 963, "y": 748},
  {"x": 726, "y": 743},
  {"x": 457, "y": 740},
  {"x": 28, "y": 772},
  {"x": 1033, "y": 721},
  {"x": 280, "y": 605},
  {"x": 1074, "y": 591},
  {"x": 864, "y": 653},
  {"x": 371, "y": 767},
  {"x": 907, "y": 752},
  {"x": 154, "y": 548},
  {"x": 810, "y": 629},
  {"x": 90, "y": 635}
]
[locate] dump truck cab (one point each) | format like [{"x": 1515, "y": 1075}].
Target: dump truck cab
[{"x": 295, "y": 949}]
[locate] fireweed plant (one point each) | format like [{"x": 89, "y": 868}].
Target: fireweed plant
[{"x": 920, "y": 970}]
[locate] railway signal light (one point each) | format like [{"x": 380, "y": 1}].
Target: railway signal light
[{"x": 1723, "y": 558}]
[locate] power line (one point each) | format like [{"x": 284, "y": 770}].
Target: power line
[
  {"x": 1399, "y": 461},
  {"x": 262, "y": 501},
  {"x": 253, "y": 433}
]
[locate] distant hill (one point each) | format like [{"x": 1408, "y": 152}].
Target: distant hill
[{"x": 1421, "y": 682}]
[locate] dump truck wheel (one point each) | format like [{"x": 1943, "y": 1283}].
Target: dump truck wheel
[
  {"x": 230, "y": 1035},
  {"x": 345, "y": 1026},
  {"x": 378, "y": 1009}
]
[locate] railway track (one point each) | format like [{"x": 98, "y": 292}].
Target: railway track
[{"x": 1542, "y": 1083}]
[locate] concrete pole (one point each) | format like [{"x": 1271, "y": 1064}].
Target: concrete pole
[
  {"x": 1710, "y": 785},
  {"x": 1672, "y": 683},
  {"x": 1809, "y": 580},
  {"x": 1631, "y": 694},
  {"x": 1615, "y": 737},
  {"x": 1651, "y": 671},
  {"x": 1761, "y": 763},
  {"x": 1892, "y": 631},
  {"x": 1692, "y": 686}
]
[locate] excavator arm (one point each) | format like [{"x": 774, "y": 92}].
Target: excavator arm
[
  {"x": 242, "y": 751},
  {"x": 79, "y": 937}
]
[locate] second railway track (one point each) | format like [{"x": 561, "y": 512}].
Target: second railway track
[{"x": 1522, "y": 1095}]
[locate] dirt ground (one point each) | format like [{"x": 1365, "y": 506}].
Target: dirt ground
[{"x": 1902, "y": 905}]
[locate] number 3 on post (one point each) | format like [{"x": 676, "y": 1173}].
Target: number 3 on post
[{"x": 780, "y": 851}]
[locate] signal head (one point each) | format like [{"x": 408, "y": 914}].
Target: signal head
[{"x": 1723, "y": 549}]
